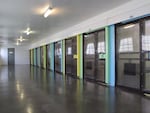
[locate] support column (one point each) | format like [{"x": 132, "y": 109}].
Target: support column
[
  {"x": 31, "y": 56},
  {"x": 52, "y": 56},
  {"x": 44, "y": 54},
  {"x": 63, "y": 57},
  {"x": 80, "y": 56},
  {"x": 38, "y": 57},
  {"x": 110, "y": 55}
]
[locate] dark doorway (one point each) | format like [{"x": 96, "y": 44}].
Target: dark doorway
[
  {"x": 58, "y": 55},
  {"x": 11, "y": 56},
  {"x": 36, "y": 56},
  {"x": 48, "y": 56},
  {"x": 94, "y": 46},
  {"x": 70, "y": 53},
  {"x": 42, "y": 57}
]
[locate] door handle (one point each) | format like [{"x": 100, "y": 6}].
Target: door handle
[
  {"x": 102, "y": 56},
  {"x": 75, "y": 56}
]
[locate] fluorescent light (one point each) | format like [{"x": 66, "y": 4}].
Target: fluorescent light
[
  {"x": 129, "y": 26},
  {"x": 21, "y": 39},
  {"x": 28, "y": 31},
  {"x": 17, "y": 43},
  {"x": 47, "y": 12}
]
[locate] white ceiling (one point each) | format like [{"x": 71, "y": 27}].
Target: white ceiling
[{"x": 17, "y": 15}]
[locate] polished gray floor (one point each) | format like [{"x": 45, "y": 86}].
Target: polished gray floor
[{"x": 32, "y": 90}]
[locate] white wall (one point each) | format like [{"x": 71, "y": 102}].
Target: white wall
[
  {"x": 133, "y": 9},
  {"x": 21, "y": 55}
]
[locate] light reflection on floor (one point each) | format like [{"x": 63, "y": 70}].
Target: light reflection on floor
[{"x": 25, "y": 89}]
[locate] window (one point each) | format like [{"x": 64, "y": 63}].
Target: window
[
  {"x": 126, "y": 45},
  {"x": 58, "y": 52},
  {"x": 90, "y": 49},
  {"x": 101, "y": 47},
  {"x": 69, "y": 52},
  {"x": 146, "y": 43}
]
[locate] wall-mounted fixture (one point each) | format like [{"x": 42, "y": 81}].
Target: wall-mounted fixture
[{"x": 48, "y": 12}]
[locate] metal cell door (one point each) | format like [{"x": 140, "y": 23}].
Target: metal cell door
[
  {"x": 71, "y": 56},
  {"x": 146, "y": 57},
  {"x": 94, "y": 49},
  {"x": 11, "y": 56},
  {"x": 89, "y": 56},
  {"x": 100, "y": 56},
  {"x": 58, "y": 55},
  {"x": 48, "y": 56},
  {"x": 42, "y": 57},
  {"x": 128, "y": 55}
]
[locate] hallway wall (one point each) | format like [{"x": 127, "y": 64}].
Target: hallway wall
[{"x": 21, "y": 55}]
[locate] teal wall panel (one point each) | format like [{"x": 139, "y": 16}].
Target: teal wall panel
[
  {"x": 110, "y": 55},
  {"x": 61, "y": 57},
  {"x": 52, "y": 56}
]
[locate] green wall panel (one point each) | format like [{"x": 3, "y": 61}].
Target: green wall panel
[
  {"x": 38, "y": 57},
  {"x": 63, "y": 57},
  {"x": 80, "y": 56},
  {"x": 31, "y": 56}
]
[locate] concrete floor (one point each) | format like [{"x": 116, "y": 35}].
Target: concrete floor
[{"x": 32, "y": 90}]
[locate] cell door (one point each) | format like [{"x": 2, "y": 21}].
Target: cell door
[
  {"x": 128, "y": 55},
  {"x": 42, "y": 57},
  {"x": 11, "y": 56},
  {"x": 100, "y": 56},
  {"x": 94, "y": 65},
  {"x": 48, "y": 56},
  {"x": 36, "y": 56},
  {"x": 146, "y": 57},
  {"x": 58, "y": 55},
  {"x": 30, "y": 56},
  {"x": 71, "y": 52}
]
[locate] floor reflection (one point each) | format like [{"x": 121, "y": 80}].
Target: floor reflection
[
  {"x": 29, "y": 89},
  {"x": 11, "y": 72}
]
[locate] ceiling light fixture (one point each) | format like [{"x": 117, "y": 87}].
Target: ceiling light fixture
[
  {"x": 21, "y": 39},
  {"x": 48, "y": 12},
  {"x": 28, "y": 31},
  {"x": 129, "y": 26},
  {"x": 17, "y": 43}
]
